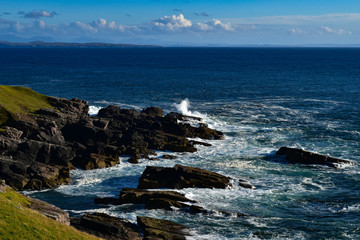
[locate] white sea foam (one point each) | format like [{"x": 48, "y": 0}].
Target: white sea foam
[
  {"x": 93, "y": 110},
  {"x": 123, "y": 105}
]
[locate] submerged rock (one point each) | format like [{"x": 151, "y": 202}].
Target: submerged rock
[
  {"x": 162, "y": 229},
  {"x": 294, "y": 155},
  {"x": 181, "y": 177},
  {"x": 107, "y": 227}
]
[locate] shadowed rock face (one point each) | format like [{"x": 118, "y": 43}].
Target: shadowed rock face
[
  {"x": 152, "y": 199},
  {"x": 294, "y": 155},
  {"x": 162, "y": 229},
  {"x": 107, "y": 227},
  {"x": 38, "y": 150},
  {"x": 181, "y": 177}
]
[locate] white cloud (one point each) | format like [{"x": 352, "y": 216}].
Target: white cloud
[
  {"x": 214, "y": 24},
  {"x": 172, "y": 23},
  {"x": 334, "y": 31},
  {"x": 38, "y": 14},
  {"x": 296, "y": 31}
]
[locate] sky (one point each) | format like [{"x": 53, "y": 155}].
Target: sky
[{"x": 183, "y": 22}]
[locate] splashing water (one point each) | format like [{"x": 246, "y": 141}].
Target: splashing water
[
  {"x": 93, "y": 110},
  {"x": 183, "y": 108}
]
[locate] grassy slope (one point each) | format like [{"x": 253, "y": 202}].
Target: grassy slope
[
  {"x": 19, "y": 102},
  {"x": 19, "y": 222}
]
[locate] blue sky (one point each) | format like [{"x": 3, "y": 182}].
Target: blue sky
[{"x": 183, "y": 22}]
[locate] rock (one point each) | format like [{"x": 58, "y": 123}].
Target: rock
[
  {"x": 107, "y": 227},
  {"x": 245, "y": 184},
  {"x": 167, "y": 156},
  {"x": 153, "y": 111},
  {"x": 179, "y": 116},
  {"x": 181, "y": 177},
  {"x": 162, "y": 229},
  {"x": 200, "y": 143},
  {"x": 2, "y": 186},
  {"x": 49, "y": 210},
  {"x": 294, "y": 155},
  {"x": 133, "y": 195},
  {"x": 39, "y": 147}
]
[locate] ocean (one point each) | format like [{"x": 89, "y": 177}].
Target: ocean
[{"x": 261, "y": 98}]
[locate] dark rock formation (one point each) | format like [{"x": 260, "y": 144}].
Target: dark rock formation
[
  {"x": 162, "y": 229},
  {"x": 181, "y": 177},
  {"x": 38, "y": 149},
  {"x": 152, "y": 199},
  {"x": 167, "y": 156},
  {"x": 107, "y": 227},
  {"x": 294, "y": 155}
]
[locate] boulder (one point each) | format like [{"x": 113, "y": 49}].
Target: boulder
[
  {"x": 181, "y": 177},
  {"x": 294, "y": 155},
  {"x": 153, "y": 111},
  {"x": 168, "y": 156},
  {"x": 152, "y": 199},
  {"x": 139, "y": 196},
  {"x": 162, "y": 229},
  {"x": 49, "y": 210},
  {"x": 107, "y": 227}
]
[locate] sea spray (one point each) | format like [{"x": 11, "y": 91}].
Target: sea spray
[{"x": 93, "y": 110}]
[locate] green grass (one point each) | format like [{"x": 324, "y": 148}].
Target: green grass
[
  {"x": 19, "y": 222},
  {"x": 19, "y": 103}
]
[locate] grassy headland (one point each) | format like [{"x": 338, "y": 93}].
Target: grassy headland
[
  {"x": 19, "y": 103},
  {"x": 19, "y": 222}
]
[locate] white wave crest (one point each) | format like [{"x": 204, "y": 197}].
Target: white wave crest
[
  {"x": 183, "y": 108},
  {"x": 93, "y": 110}
]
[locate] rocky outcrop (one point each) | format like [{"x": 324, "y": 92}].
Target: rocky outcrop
[
  {"x": 151, "y": 199},
  {"x": 181, "y": 177},
  {"x": 107, "y": 227},
  {"x": 39, "y": 148},
  {"x": 113, "y": 228},
  {"x": 162, "y": 229},
  {"x": 294, "y": 155},
  {"x": 49, "y": 210}
]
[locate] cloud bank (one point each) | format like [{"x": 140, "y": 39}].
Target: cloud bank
[
  {"x": 38, "y": 14},
  {"x": 178, "y": 27}
]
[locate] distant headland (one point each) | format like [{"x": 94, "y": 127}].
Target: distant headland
[{"x": 41, "y": 44}]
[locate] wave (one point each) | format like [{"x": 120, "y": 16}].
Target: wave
[{"x": 93, "y": 110}]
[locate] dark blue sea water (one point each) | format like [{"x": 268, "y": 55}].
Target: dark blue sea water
[{"x": 261, "y": 98}]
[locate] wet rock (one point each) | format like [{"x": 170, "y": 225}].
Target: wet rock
[
  {"x": 39, "y": 149},
  {"x": 150, "y": 198},
  {"x": 107, "y": 227},
  {"x": 132, "y": 195},
  {"x": 167, "y": 156},
  {"x": 162, "y": 229},
  {"x": 181, "y": 177},
  {"x": 294, "y": 155},
  {"x": 200, "y": 143},
  {"x": 245, "y": 184}
]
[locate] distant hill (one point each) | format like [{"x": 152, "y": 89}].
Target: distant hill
[{"x": 40, "y": 44}]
